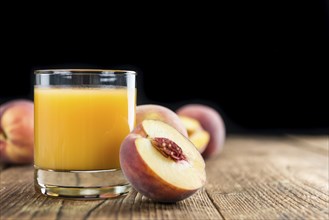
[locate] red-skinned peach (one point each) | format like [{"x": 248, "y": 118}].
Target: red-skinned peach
[
  {"x": 210, "y": 121},
  {"x": 158, "y": 112},
  {"x": 17, "y": 132},
  {"x": 161, "y": 163}
]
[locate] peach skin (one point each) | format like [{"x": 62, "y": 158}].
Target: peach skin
[
  {"x": 210, "y": 121},
  {"x": 17, "y": 132},
  {"x": 161, "y": 163},
  {"x": 158, "y": 112}
]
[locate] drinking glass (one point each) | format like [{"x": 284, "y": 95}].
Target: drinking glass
[{"x": 81, "y": 118}]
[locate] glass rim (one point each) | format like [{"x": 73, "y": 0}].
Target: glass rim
[{"x": 83, "y": 72}]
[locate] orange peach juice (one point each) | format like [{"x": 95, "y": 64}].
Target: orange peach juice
[{"x": 81, "y": 128}]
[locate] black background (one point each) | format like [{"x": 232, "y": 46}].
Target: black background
[{"x": 262, "y": 65}]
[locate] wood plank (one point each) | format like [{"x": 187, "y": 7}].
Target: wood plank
[
  {"x": 254, "y": 178},
  {"x": 269, "y": 178},
  {"x": 318, "y": 144},
  {"x": 19, "y": 201},
  {"x": 136, "y": 206}
]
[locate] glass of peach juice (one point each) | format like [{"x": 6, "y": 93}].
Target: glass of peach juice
[{"x": 81, "y": 118}]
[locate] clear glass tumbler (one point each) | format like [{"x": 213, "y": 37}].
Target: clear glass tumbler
[{"x": 81, "y": 118}]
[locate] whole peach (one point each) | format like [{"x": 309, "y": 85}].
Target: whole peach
[
  {"x": 211, "y": 121},
  {"x": 158, "y": 112},
  {"x": 17, "y": 132}
]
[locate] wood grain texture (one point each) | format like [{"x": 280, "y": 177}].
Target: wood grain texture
[
  {"x": 319, "y": 144},
  {"x": 19, "y": 201},
  {"x": 269, "y": 178},
  {"x": 254, "y": 178}
]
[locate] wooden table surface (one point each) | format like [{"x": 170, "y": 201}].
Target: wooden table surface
[{"x": 254, "y": 178}]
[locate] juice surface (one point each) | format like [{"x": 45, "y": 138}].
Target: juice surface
[{"x": 81, "y": 128}]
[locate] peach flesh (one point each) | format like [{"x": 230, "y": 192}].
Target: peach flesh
[
  {"x": 211, "y": 121},
  {"x": 156, "y": 176},
  {"x": 197, "y": 135}
]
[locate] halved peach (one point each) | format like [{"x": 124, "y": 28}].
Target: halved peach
[
  {"x": 161, "y": 163},
  {"x": 211, "y": 121},
  {"x": 197, "y": 135}
]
